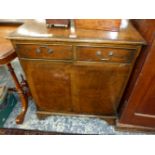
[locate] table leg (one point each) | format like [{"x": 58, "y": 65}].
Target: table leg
[{"x": 24, "y": 99}]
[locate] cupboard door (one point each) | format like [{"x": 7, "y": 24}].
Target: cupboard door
[
  {"x": 50, "y": 84},
  {"x": 98, "y": 87}
]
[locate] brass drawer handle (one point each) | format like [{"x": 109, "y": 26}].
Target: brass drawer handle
[
  {"x": 49, "y": 50},
  {"x": 99, "y": 54}
]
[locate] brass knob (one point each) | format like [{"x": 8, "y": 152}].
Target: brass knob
[
  {"x": 111, "y": 53},
  {"x": 50, "y": 51},
  {"x": 98, "y": 53},
  {"x": 38, "y": 50}
]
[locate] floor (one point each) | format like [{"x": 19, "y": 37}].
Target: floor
[{"x": 65, "y": 124}]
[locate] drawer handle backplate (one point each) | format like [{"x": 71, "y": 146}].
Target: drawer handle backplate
[
  {"x": 49, "y": 50},
  {"x": 99, "y": 54}
]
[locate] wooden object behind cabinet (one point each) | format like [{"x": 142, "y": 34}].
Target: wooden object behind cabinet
[
  {"x": 98, "y": 24},
  {"x": 139, "y": 99}
]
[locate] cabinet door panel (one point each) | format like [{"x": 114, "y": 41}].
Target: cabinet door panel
[
  {"x": 98, "y": 87},
  {"x": 50, "y": 84}
]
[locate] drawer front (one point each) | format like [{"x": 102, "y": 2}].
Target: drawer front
[
  {"x": 56, "y": 52},
  {"x": 104, "y": 54}
]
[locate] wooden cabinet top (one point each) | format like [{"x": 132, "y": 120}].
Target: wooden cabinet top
[{"x": 37, "y": 30}]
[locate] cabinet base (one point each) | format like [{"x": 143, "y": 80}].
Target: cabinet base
[{"x": 111, "y": 120}]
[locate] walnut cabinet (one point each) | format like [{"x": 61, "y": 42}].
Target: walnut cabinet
[{"x": 83, "y": 75}]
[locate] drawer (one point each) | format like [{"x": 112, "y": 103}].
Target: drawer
[
  {"x": 56, "y": 52},
  {"x": 105, "y": 54}
]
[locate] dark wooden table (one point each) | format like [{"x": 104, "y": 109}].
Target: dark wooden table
[{"x": 7, "y": 54}]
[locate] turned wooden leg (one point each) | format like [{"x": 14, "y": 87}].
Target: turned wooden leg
[{"x": 24, "y": 99}]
